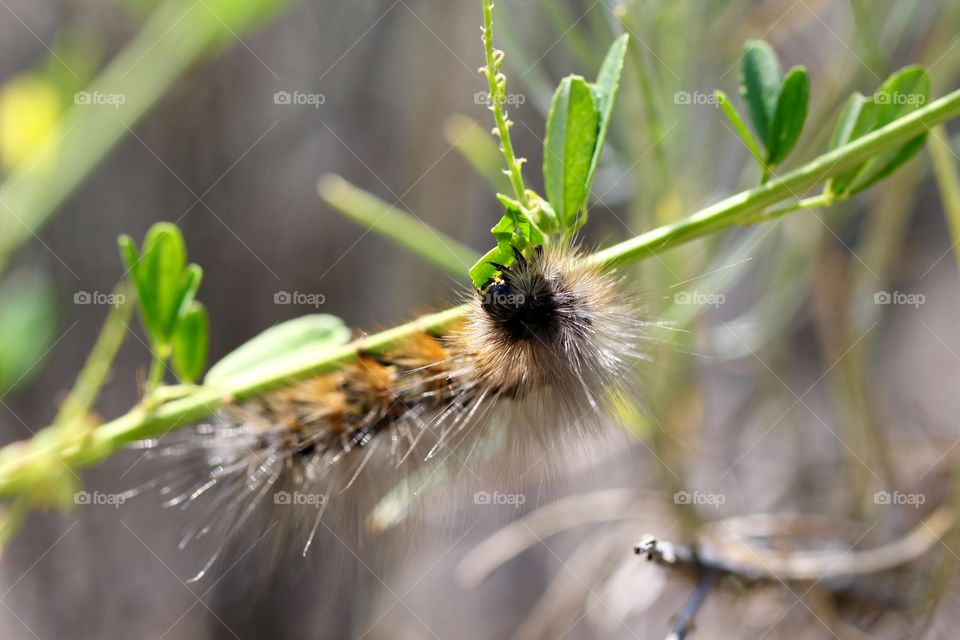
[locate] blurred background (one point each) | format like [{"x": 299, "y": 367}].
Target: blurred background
[{"x": 812, "y": 365}]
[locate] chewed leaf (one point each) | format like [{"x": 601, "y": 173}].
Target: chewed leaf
[
  {"x": 515, "y": 230},
  {"x": 519, "y": 221},
  {"x": 483, "y": 272}
]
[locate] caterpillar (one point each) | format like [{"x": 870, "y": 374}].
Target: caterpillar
[{"x": 544, "y": 347}]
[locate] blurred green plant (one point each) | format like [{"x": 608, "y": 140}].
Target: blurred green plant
[
  {"x": 166, "y": 286},
  {"x": 50, "y": 153}
]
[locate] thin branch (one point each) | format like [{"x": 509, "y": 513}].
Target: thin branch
[{"x": 139, "y": 423}]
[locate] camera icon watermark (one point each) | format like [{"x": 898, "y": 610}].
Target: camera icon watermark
[
  {"x": 297, "y": 498},
  {"x": 699, "y": 498},
  {"x": 497, "y": 498},
  {"x": 314, "y": 300},
  {"x": 696, "y": 98},
  {"x": 98, "y": 298},
  {"x": 899, "y": 98},
  {"x": 898, "y": 298},
  {"x": 85, "y": 498},
  {"x": 897, "y": 498},
  {"x": 98, "y": 98},
  {"x": 509, "y": 99},
  {"x": 699, "y": 298},
  {"x": 300, "y": 98}
]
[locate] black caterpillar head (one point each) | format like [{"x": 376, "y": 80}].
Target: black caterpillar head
[{"x": 525, "y": 302}]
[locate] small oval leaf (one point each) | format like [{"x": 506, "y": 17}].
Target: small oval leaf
[
  {"x": 760, "y": 82},
  {"x": 161, "y": 265},
  {"x": 191, "y": 341},
  {"x": 790, "y": 114}
]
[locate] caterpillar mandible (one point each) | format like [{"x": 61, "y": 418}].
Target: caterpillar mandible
[{"x": 544, "y": 347}]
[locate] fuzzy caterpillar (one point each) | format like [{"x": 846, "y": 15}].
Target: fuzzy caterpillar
[{"x": 539, "y": 351}]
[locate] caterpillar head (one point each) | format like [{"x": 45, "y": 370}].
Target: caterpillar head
[
  {"x": 551, "y": 320},
  {"x": 525, "y": 302}
]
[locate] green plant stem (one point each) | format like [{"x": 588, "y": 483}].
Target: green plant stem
[
  {"x": 142, "y": 423},
  {"x": 95, "y": 370},
  {"x": 497, "y": 84},
  {"x": 948, "y": 182},
  {"x": 791, "y": 185},
  {"x": 401, "y": 227},
  {"x": 154, "y": 377}
]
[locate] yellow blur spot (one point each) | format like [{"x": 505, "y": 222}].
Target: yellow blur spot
[{"x": 29, "y": 117}]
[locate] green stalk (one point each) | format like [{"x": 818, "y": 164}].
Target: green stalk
[
  {"x": 497, "y": 83},
  {"x": 948, "y": 182},
  {"x": 16, "y": 459},
  {"x": 403, "y": 228},
  {"x": 728, "y": 212}
]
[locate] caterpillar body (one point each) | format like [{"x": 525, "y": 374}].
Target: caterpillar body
[{"x": 539, "y": 351}]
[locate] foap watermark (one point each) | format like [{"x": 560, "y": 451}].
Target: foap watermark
[
  {"x": 503, "y": 299},
  {"x": 898, "y": 97},
  {"x": 296, "y": 498},
  {"x": 99, "y": 298},
  {"x": 300, "y": 98},
  {"x": 314, "y": 300},
  {"x": 897, "y": 297},
  {"x": 98, "y": 98},
  {"x": 700, "y": 298},
  {"x": 509, "y": 99},
  {"x": 695, "y": 98},
  {"x": 699, "y": 498},
  {"x": 485, "y": 497},
  {"x": 96, "y": 498},
  {"x": 898, "y": 498}
]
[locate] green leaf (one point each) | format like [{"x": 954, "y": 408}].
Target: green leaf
[
  {"x": 483, "y": 272},
  {"x": 515, "y": 229},
  {"x": 519, "y": 221},
  {"x": 28, "y": 322},
  {"x": 902, "y": 93},
  {"x": 187, "y": 290},
  {"x": 608, "y": 82},
  {"x": 857, "y": 118},
  {"x": 887, "y": 163},
  {"x": 158, "y": 280},
  {"x": 849, "y": 118},
  {"x": 191, "y": 340},
  {"x": 760, "y": 82},
  {"x": 738, "y": 126},
  {"x": 542, "y": 213},
  {"x": 311, "y": 331},
  {"x": 572, "y": 130},
  {"x": 789, "y": 116},
  {"x": 128, "y": 253}
]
